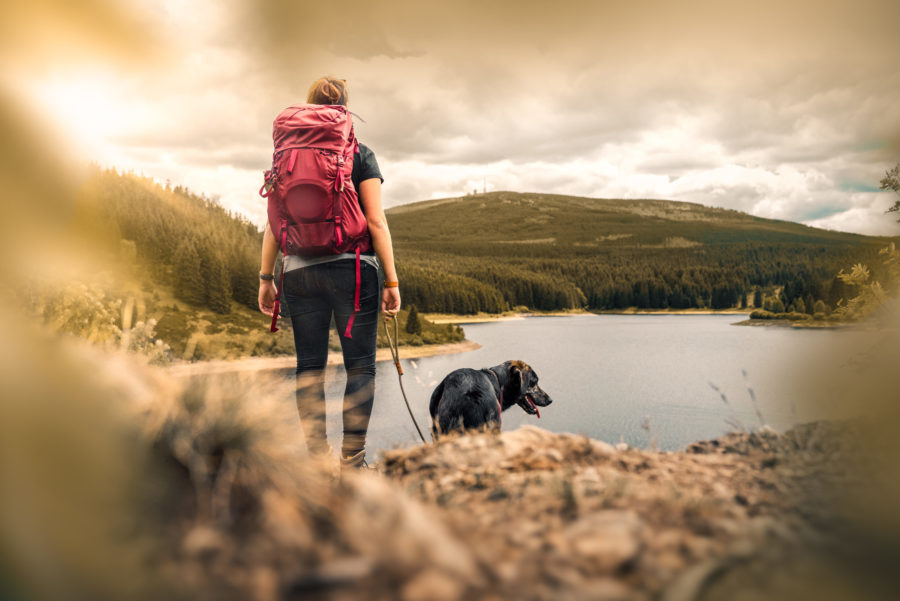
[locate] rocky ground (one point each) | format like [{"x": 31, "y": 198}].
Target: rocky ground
[
  {"x": 529, "y": 514},
  {"x": 556, "y": 516}
]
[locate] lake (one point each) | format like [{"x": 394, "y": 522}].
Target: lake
[{"x": 640, "y": 379}]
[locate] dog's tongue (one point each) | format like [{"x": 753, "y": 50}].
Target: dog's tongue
[{"x": 533, "y": 406}]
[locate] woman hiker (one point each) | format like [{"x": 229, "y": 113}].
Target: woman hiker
[{"x": 316, "y": 288}]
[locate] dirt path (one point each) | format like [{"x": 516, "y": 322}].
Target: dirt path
[{"x": 264, "y": 364}]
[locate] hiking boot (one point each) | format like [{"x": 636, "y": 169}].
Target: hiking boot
[{"x": 357, "y": 460}]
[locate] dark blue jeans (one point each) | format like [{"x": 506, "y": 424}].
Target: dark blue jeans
[{"x": 313, "y": 294}]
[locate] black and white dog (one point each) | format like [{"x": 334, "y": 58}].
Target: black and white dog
[{"x": 472, "y": 398}]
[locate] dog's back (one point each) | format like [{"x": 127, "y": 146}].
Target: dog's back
[{"x": 464, "y": 399}]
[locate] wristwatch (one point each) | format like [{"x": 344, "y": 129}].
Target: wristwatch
[{"x": 267, "y": 276}]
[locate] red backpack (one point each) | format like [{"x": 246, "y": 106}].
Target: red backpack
[{"x": 313, "y": 207}]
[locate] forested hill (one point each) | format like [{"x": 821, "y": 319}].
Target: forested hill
[
  {"x": 184, "y": 262},
  {"x": 208, "y": 255},
  {"x": 186, "y": 265},
  {"x": 500, "y": 250}
]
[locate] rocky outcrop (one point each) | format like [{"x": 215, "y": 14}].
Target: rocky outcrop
[
  {"x": 530, "y": 514},
  {"x": 558, "y": 516}
]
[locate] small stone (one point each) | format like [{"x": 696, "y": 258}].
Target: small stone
[
  {"x": 601, "y": 449},
  {"x": 607, "y": 539},
  {"x": 432, "y": 585},
  {"x": 606, "y": 589},
  {"x": 265, "y": 584},
  {"x": 203, "y": 542}
]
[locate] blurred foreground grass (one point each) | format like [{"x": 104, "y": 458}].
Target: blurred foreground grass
[{"x": 121, "y": 483}]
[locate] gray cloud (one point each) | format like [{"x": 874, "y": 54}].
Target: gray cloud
[{"x": 769, "y": 113}]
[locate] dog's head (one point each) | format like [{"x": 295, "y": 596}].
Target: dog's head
[{"x": 524, "y": 390}]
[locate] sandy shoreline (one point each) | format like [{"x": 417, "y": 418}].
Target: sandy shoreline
[
  {"x": 677, "y": 312},
  {"x": 442, "y": 318},
  {"x": 800, "y": 324},
  {"x": 285, "y": 363}
]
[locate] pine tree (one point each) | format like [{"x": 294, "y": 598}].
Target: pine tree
[
  {"x": 188, "y": 284},
  {"x": 413, "y": 325},
  {"x": 218, "y": 284},
  {"x": 891, "y": 181}
]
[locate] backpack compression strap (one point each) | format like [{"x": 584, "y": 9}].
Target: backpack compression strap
[
  {"x": 276, "y": 309},
  {"x": 347, "y": 333}
]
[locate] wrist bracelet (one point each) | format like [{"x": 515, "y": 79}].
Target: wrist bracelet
[
  {"x": 392, "y": 284},
  {"x": 269, "y": 277}
]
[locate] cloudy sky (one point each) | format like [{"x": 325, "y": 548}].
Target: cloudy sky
[{"x": 780, "y": 109}]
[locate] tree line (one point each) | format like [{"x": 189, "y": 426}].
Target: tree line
[{"x": 712, "y": 277}]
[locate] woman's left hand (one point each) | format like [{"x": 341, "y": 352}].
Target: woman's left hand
[{"x": 390, "y": 301}]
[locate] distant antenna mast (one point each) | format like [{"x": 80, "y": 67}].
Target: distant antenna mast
[{"x": 484, "y": 188}]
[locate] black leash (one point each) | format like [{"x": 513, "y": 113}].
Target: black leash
[{"x": 395, "y": 353}]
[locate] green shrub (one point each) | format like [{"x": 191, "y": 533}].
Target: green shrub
[{"x": 793, "y": 316}]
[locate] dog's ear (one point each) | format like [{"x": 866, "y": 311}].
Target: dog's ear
[{"x": 518, "y": 371}]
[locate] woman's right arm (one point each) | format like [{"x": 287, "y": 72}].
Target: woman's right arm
[{"x": 370, "y": 196}]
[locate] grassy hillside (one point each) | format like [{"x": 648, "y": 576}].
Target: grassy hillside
[
  {"x": 495, "y": 251},
  {"x": 573, "y": 225}
]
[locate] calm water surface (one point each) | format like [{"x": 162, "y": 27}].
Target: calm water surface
[{"x": 641, "y": 379}]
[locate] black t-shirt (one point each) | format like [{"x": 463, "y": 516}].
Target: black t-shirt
[{"x": 364, "y": 167}]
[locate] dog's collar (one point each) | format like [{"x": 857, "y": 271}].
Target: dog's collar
[
  {"x": 499, "y": 396},
  {"x": 496, "y": 379},
  {"x": 499, "y": 386}
]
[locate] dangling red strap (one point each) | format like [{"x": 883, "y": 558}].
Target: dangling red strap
[
  {"x": 347, "y": 333},
  {"x": 339, "y": 176},
  {"x": 268, "y": 184},
  {"x": 358, "y": 282},
  {"x": 276, "y": 308}
]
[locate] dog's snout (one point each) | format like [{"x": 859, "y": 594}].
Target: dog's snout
[{"x": 542, "y": 399}]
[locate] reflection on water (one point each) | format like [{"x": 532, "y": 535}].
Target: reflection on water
[{"x": 641, "y": 379}]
